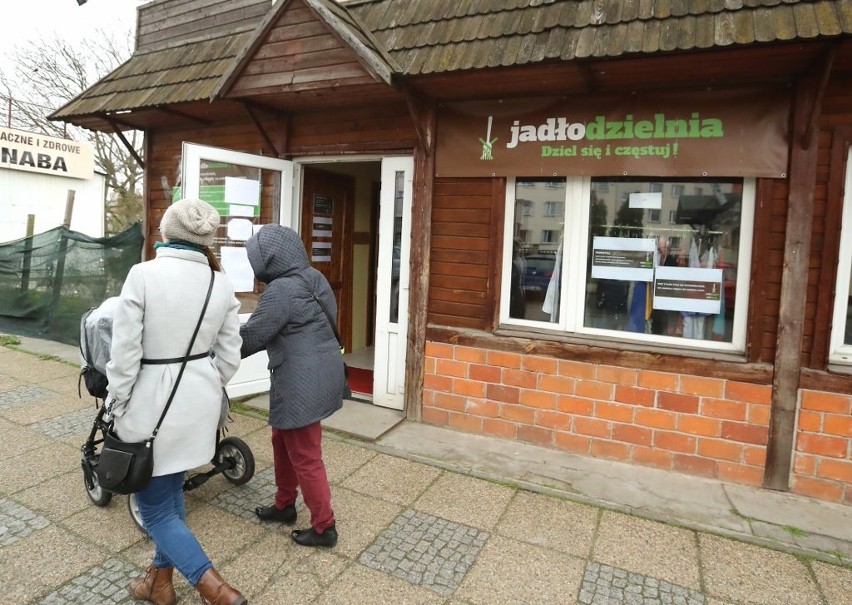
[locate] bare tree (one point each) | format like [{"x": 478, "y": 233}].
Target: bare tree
[{"x": 44, "y": 76}]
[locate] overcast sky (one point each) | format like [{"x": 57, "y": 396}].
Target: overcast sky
[{"x": 65, "y": 19}]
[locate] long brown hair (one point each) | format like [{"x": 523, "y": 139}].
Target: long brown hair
[{"x": 212, "y": 260}]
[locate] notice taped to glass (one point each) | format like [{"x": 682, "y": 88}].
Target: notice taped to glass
[
  {"x": 688, "y": 289},
  {"x": 624, "y": 258}
]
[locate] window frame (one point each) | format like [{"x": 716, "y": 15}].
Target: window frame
[
  {"x": 839, "y": 352},
  {"x": 574, "y": 262}
]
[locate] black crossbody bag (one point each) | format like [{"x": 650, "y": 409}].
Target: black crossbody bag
[{"x": 127, "y": 467}]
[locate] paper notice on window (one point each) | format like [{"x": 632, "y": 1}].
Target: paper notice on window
[
  {"x": 236, "y": 265},
  {"x": 322, "y": 226},
  {"x": 688, "y": 289},
  {"x": 623, "y": 258},
  {"x": 320, "y": 252},
  {"x": 245, "y": 192},
  {"x": 239, "y": 210},
  {"x": 652, "y": 200},
  {"x": 239, "y": 229}
]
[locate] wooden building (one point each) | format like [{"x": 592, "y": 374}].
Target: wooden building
[{"x": 614, "y": 227}]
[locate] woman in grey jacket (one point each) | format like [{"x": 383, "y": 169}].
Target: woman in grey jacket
[
  {"x": 156, "y": 314},
  {"x": 307, "y": 375}
]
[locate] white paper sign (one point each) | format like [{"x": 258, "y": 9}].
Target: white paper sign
[
  {"x": 239, "y": 229},
  {"x": 237, "y": 267},
  {"x": 652, "y": 200},
  {"x": 239, "y": 210},
  {"x": 321, "y": 252},
  {"x": 242, "y": 191},
  {"x": 322, "y": 226},
  {"x": 623, "y": 258},
  {"x": 689, "y": 289}
]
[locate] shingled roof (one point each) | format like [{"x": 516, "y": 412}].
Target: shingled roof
[
  {"x": 438, "y": 36},
  {"x": 421, "y": 37}
]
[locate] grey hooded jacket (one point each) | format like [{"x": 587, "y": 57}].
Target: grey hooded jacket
[{"x": 304, "y": 357}]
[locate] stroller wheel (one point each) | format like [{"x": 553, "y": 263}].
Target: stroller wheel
[
  {"x": 133, "y": 509},
  {"x": 236, "y": 450},
  {"x": 98, "y": 495}
]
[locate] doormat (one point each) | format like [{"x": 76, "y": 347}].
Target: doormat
[{"x": 361, "y": 380}]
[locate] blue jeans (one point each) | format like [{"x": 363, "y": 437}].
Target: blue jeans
[{"x": 163, "y": 512}]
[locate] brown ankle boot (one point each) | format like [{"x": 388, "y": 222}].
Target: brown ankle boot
[
  {"x": 216, "y": 591},
  {"x": 155, "y": 586}
]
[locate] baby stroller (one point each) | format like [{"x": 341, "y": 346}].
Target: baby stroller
[{"x": 232, "y": 457}]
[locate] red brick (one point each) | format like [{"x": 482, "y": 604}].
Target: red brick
[
  {"x": 614, "y": 411},
  {"x": 470, "y": 354},
  {"x": 506, "y": 394},
  {"x": 674, "y": 442},
  {"x": 658, "y": 381},
  {"x": 535, "y": 434},
  {"x": 720, "y": 450},
  {"x": 804, "y": 464},
  {"x": 739, "y": 473},
  {"x": 594, "y": 390},
  {"x": 838, "y": 425},
  {"x": 655, "y": 419},
  {"x": 632, "y": 434},
  {"x": 538, "y": 399},
  {"x": 754, "y": 456},
  {"x": 576, "y": 369},
  {"x": 705, "y": 387},
  {"x": 517, "y": 413},
  {"x": 431, "y": 415},
  {"x": 519, "y": 378},
  {"x": 485, "y": 373},
  {"x": 826, "y": 402},
  {"x": 635, "y": 396},
  {"x": 429, "y": 365},
  {"x": 469, "y": 388},
  {"x": 839, "y": 470},
  {"x": 504, "y": 360},
  {"x": 556, "y": 384},
  {"x": 810, "y": 421},
  {"x": 438, "y": 349},
  {"x": 592, "y": 427},
  {"x": 723, "y": 408},
  {"x": 816, "y": 488},
  {"x": 750, "y": 393},
  {"x": 438, "y": 383},
  {"x": 446, "y": 401},
  {"x": 694, "y": 465},
  {"x": 553, "y": 420},
  {"x": 687, "y": 404},
  {"x": 481, "y": 407},
  {"x": 617, "y": 375},
  {"x": 696, "y": 425},
  {"x": 652, "y": 457},
  {"x": 465, "y": 422},
  {"x": 541, "y": 365},
  {"x": 499, "y": 428},
  {"x": 571, "y": 442},
  {"x": 745, "y": 433},
  {"x": 833, "y": 447},
  {"x": 575, "y": 405},
  {"x": 608, "y": 449},
  {"x": 758, "y": 414},
  {"x": 447, "y": 367}
]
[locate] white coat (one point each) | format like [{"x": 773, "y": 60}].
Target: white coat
[{"x": 157, "y": 312}]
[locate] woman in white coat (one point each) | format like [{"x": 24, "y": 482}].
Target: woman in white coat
[{"x": 157, "y": 312}]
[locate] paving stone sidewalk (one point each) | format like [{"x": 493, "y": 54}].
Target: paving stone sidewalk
[{"x": 409, "y": 532}]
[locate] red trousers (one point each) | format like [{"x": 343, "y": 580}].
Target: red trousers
[{"x": 298, "y": 464}]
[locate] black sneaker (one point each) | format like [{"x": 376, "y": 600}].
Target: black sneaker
[
  {"x": 286, "y": 515},
  {"x": 310, "y": 537}
]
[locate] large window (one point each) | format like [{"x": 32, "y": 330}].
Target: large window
[
  {"x": 841, "y": 331},
  {"x": 660, "y": 260}
]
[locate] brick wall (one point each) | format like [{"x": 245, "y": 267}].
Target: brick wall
[
  {"x": 822, "y": 459},
  {"x": 700, "y": 426}
]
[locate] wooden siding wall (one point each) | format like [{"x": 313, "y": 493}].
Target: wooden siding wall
[
  {"x": 460, "y": 291},
  {"x": 300, "y": 53},
  {"x": 167, "y": 24}
]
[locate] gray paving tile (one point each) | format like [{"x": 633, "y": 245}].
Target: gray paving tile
[
  {"x": 607, "y": 585},
  {"x": 482, "y": 505},
  {"x": 17, "y": 521},
  {"x": 426, "y": 551},
  {"x": 393, "y": 479},
  {"x": 106, "y": 583},
  {"x": 241, "y": 500},
  {"x": 24, "y": 394},
  {"x": 836, "y": 582},
  {"x": 68, "y": 425}
]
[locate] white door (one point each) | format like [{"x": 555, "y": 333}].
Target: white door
[
  {"x": 237, "y": 184},
  {"x": 392, "y": 282}
]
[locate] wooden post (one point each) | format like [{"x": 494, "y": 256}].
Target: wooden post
[
  {"x": 59, "y": 275},
  {"x": 28, "y": 253}
]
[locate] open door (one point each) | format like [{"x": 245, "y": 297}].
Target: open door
[
  {"x": 248, "y": 191},
  {"x": 392, "y": 282}
]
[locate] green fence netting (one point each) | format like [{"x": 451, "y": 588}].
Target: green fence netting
[{"x": 49, "y": 280}]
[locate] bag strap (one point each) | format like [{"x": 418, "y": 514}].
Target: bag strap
[
  {"x": 331, "y": 321},
  {"x": 186, "y": 357}
]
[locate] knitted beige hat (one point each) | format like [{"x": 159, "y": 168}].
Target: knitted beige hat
[{"x": 191, "y": 221}]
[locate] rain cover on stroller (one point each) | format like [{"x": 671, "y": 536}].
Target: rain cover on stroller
[{"x": 95, "y": 342}]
